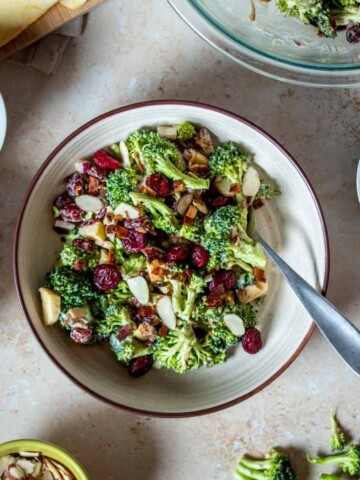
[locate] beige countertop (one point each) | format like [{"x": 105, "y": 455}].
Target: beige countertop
[{"x": 141, "y": 50}]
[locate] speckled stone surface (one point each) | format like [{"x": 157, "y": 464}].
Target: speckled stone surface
[{"x": 125, "y": 57}]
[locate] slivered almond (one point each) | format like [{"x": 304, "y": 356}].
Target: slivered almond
[
  {"x": 184, "y": 202},
  {"x": 201, "y": 206},
  {"x": 148, "y": 190},
  {"x": 191, "y": 212}
]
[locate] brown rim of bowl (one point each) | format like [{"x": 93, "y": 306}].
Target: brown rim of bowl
[{"x": 205, "y": 107}]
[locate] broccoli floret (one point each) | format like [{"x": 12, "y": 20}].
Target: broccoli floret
[
  {"x": 221, "y": 337},
  {"x": 133, "y": 266},
  {"x": 120, "y": 294},
  {"x": 185, "y": 291},
  {"x": 126, "y": 350},
  {"x": 115, "y": 316},
  {"x": 348, "y": 461},
  {"x": 74, "y": 288},
  {"x": 71, "y": 254},
  {"x": 247, "y": 313},
  {"x": 193, "y": 233},
  {"x": 245, "y": 279},
  {"x": 337, "y": 437},
  {"x": 185, "y": 131},
  {"x": 219, "y": 241},
  {"x": 327, "y": 16},
  {"x": 275, "y": 466},
  {"x": 160, "y": 155},
  {"x": 161, "y": 215},
  {"x": 118, "y": 186},
  {"x": 181, "y": 351},
  {"x": 229, "y": 161},
  {"x": 266, "y": 191}
]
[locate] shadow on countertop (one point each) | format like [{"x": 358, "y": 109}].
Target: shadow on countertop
[{"x": 109, "y": 444}]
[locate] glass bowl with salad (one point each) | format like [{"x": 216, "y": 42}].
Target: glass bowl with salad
[
  {"x": 308, "y": 42},
  {"x": 151, "y": 294}
]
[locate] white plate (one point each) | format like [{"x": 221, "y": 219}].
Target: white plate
[
  {"x": 292, "y": 224},
  {"x": 3, "y": 122}
]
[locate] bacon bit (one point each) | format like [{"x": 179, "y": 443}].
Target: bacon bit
[
  {"x": 101, "y": 186},
  {"x": 191, "y": 212},
  {"x": 148, "y": 190},
  {"x": 213, "y": 301},
  {"x": 110, "y": 257},
  {"x": 235, "y": 188},
  {"x": 145, "y": 332},
  {"x": 118, "y": 218},
  {"x": 259, "y": 275},
  {"x": 163, "y": 331},
  {"x": 189, "y": 222},
  {"x": 258, "y": 203},
  {"x": 146, "y": 311},
  {"x": 79, "y": 265},
  {"x": 178, "y": 186},
  {"x": 110, "y": 229},
  {"x": 230, "y": 298},
  {"x": 120, "y": 231},
  {"x": 153, "y": 253},
  {"x": 186, "y": 274},
  {"x": 93, "y": 188},
  {"x": 124, "y": 332}
]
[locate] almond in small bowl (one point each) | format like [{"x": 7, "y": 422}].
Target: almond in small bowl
[{"x": 34, "y": 459}]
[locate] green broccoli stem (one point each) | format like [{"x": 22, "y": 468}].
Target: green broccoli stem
[
  {"x": 326, "y": 476},
  {"x": 342, "y": 459},
  {"x": 189, "y": 306},
  {"x": 171, "y": 171},
  {"x": 151, "y": 202},
  {"x": 253, "y": 473}
]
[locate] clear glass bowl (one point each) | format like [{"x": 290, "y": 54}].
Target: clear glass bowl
[{"x": 277, "y": 46}]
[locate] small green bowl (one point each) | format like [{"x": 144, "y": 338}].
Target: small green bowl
[{"x": 47, "y": 449}]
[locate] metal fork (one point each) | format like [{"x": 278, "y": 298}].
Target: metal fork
[{"x": 342, "y": 335}]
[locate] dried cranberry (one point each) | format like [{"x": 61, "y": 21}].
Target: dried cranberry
[
  {"x": 72, "y": 213},
  {"x": 223, "y": 277},
  {"x": 353, "y": 33},
  {"x": 76, "y": 184},
  {"x": 216, "y": 200},
  {"x": 81, "y": 335},
  {"x": 62, "y": 200},
  {"x": 98, "y": 173},
  {"x": 84, "y": 245},
  {"x": 199, "y": 256},
  {"x": 251, "y": 340},
  {"x": 177, "y": 253},
  {"x": 142, "y": 224},
  {"x": 140, "y": 365},
  {"x": 103, "y": 160},
  {"x": 135, "y": 241},
  {"x": 124, "y": 332},
  {"x": 106, "y": 277},
  {"x": 159, "y": 183}
]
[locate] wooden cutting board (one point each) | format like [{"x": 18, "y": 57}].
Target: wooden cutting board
[{"x": 52, "y": 20}]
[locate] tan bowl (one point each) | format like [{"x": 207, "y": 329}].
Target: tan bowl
[{"x": 293, "y": 224}]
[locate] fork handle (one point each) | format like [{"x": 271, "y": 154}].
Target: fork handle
[{"x": 339, "y": 332}]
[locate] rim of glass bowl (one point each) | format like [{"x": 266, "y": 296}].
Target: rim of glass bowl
[{"x": 301, "y": 74}]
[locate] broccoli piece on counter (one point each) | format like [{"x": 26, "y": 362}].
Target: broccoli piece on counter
[
  {"x": 160, "y": 155},
  {"x": 118, "y": 186},
  {"x": 348, "y": 461},
  {"x": 337, "y": 437},
  {"x": 185, "y": 131},
  {"x": 275, "y": 466}
]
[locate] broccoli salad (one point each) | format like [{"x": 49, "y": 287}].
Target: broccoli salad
[
  {"x": 328, "y": 16},
  {"x": 156, "y": 258}
]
